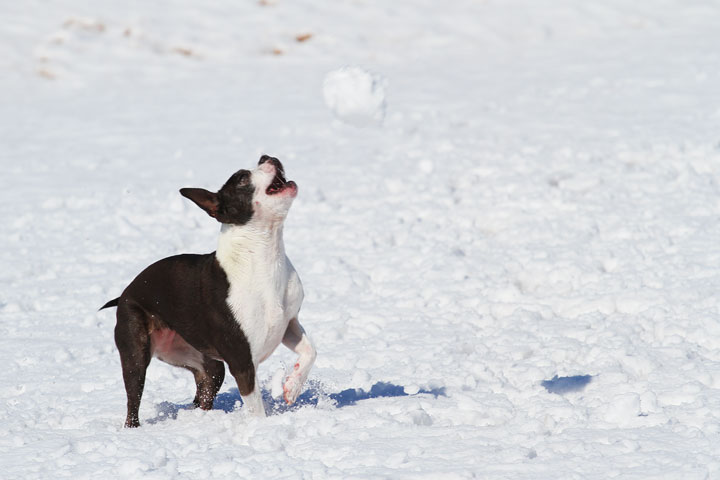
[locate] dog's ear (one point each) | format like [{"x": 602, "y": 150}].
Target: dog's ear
[{"x": 204, "y": 199}]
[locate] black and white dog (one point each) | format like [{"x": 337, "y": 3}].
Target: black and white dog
[{"x": 235, "y": 305}]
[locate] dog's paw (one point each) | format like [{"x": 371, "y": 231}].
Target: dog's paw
[{"x": 292, "y": 389}]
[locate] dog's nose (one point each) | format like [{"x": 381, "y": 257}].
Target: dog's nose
[
  {"x": 272, "y": 160},
  {"x": 266, "y": 158}
]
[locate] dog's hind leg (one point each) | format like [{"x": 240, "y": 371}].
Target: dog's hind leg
[
  {"x": 133, "y": 343},
  {"x": 208, "y": 382}
]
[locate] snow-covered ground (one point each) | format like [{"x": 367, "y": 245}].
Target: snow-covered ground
[{"x": 512, "y": 271}]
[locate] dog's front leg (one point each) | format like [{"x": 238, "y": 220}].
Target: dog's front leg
[
  {"x": 254, "y": 402},
  {"x": 234, "y": 349},
  {"x": 297, "y": 340}
]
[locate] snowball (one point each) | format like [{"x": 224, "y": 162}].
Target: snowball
[{"x": 355, "y": 96}]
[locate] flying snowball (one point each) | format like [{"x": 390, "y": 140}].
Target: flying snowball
[{"x": 355, "y": 96}]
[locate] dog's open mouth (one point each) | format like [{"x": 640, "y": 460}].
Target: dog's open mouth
[{"x": 279, "y": 183}]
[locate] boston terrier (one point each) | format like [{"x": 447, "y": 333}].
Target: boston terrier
[{"x": 234, "y": 305}]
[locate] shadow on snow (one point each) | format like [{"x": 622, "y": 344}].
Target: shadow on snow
[
  {"x": 312, "y": 396},
  {"x": 562, "y": 385}
]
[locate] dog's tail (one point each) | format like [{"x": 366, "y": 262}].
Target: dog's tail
[{"x": 111, "y": 303}]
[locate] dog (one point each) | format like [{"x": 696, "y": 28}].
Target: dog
[{"x": 235, "y": 305}]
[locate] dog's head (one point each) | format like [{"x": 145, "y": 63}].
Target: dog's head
[{"x": 262, "y": 195}]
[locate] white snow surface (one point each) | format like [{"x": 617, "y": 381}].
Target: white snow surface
[{"x": 542, "y": 200}]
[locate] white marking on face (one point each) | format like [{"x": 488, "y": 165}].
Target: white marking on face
[{"x": 270, "y": 207}]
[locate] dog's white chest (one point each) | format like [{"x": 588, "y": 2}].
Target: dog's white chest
[
  {"x": 263, "y": 306},
  {"x": 263, "y": 301},
  {"x": 265, "y": 292}
]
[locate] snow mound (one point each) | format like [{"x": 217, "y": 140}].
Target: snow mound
[{"x": 355, "y": 96}]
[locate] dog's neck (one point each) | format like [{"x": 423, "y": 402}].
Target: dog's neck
[{"x": 251, "y": 250}]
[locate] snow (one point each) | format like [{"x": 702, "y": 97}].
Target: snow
[{"x": 540, "y": 205}]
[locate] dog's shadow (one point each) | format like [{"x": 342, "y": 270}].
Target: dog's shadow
[{"x": 313, "y": 395}]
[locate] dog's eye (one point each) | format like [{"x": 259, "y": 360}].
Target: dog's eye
[{"x": 244, "y": 179}]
